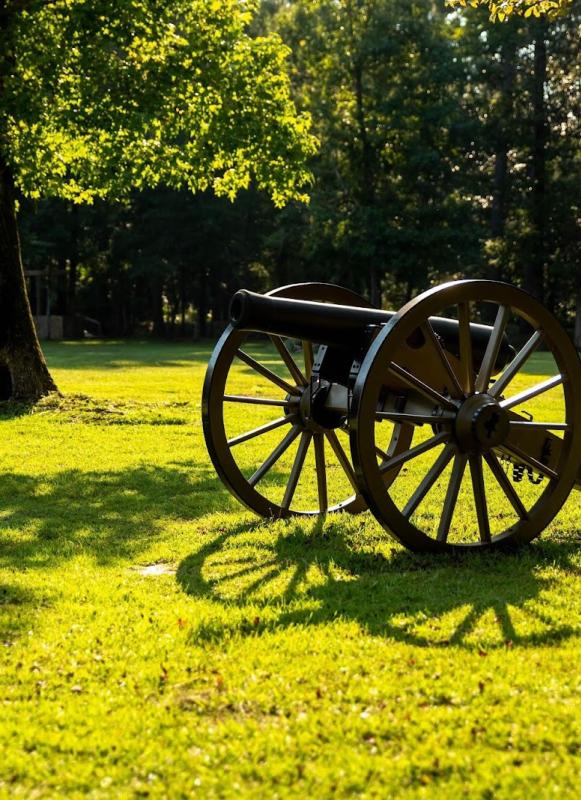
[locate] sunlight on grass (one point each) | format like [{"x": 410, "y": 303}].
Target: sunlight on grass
[{"x": 158, "y": 640}]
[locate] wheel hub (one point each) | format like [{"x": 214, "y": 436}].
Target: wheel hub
[
  {"x": 481, "y": 423},
  {"x": 315, "y": 415}
]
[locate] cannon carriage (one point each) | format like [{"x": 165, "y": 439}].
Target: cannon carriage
[{"x": 431, "y": 416}]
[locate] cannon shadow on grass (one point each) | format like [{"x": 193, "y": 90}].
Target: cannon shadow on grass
[
  {"x": 399, "y": 595},
  {"x": 114, "y": 516}
]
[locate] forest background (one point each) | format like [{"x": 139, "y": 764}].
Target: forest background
[{"x": 448, "y": 147}]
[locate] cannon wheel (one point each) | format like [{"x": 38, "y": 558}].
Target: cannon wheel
[
  {"x": 225, "y": 453},
  {"x": 456, "y": 492}
]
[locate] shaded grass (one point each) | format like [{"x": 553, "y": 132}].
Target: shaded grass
[{"x": 292, "y": 659}]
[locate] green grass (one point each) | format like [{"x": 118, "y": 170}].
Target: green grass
[{"x": 156, "y": 640}]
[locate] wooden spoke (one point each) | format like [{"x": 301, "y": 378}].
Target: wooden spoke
[
  {"x": 296, "y": 469},
  {"x": 420, "y": 386},
  {"x": 321, "y": 469},
  {"x": 309, "y": 358},
  {"x": 533, "y": 391},
  {"x": 547, "y": 426},
  {"x": 506, "y": 485},
  {"x": 381, "y": 453},
  {"x": 429, "y": 480},
  {"x": 430, "y": 335},
  {"x": 530, "y": 461},
  {"x": 466, "y": 361},
  {"x": 492, "y": 349},
  {"x": 451, "y": 496},
  {"x": 259, "y": 401},
  {"x": 479, "y": 492},
  {"x": 270, "y": 426},
  {"x": 515, "y": 365},
  {"x": 407, "y": 455},
  {"x": 266, "y": 373},
  {"x": 291, "y": 364},
  {"x": 342, "y": 459},
  {"x": 414, "y": 419},
  {"x": 275, "y": 455}
]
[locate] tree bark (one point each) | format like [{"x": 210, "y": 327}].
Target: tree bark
[{"x": 25, "y": 373}]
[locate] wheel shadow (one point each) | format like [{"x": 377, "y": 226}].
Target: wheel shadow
[{"x": 316, "y": 576}]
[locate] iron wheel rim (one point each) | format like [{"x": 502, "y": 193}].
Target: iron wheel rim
[{"x": 370, "y": 381}]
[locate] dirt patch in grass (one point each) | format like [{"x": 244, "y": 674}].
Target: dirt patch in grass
[{"x": 75, "y": 408}]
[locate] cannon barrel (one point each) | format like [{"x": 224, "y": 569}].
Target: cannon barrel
[
  {"x": 348, "y": 327},
  {"x": 324, "y": 323}
]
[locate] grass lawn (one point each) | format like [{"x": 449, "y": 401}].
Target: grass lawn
[{"x": 157, "y": 640}]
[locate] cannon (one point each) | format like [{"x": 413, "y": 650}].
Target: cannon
[{"x": 434, "y": 417}]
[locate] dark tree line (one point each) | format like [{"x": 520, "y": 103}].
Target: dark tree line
[{"x": 449, "y": 147}]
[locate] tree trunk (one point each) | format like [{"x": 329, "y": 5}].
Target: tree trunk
[
  {"x": 72, "y": 275},
  {"x": 498, "y": 211},
  {"x": 534, "y": 268},
  {"x": 367, "y": 175},
  {"x": 202, "y": 308},
  {"x": 24, "y": 375},
  {"x": 183, "y": 303},
  {"x": 503, "y": 126},
  {"x": 577, "y": 336},
  {"x": 157, "y": 307}
]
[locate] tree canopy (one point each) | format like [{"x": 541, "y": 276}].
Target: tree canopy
[
  {"x": 103, "y": 96},
  {"x": 99, "y": 98},
  {"x": 503, "y": 9}
]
